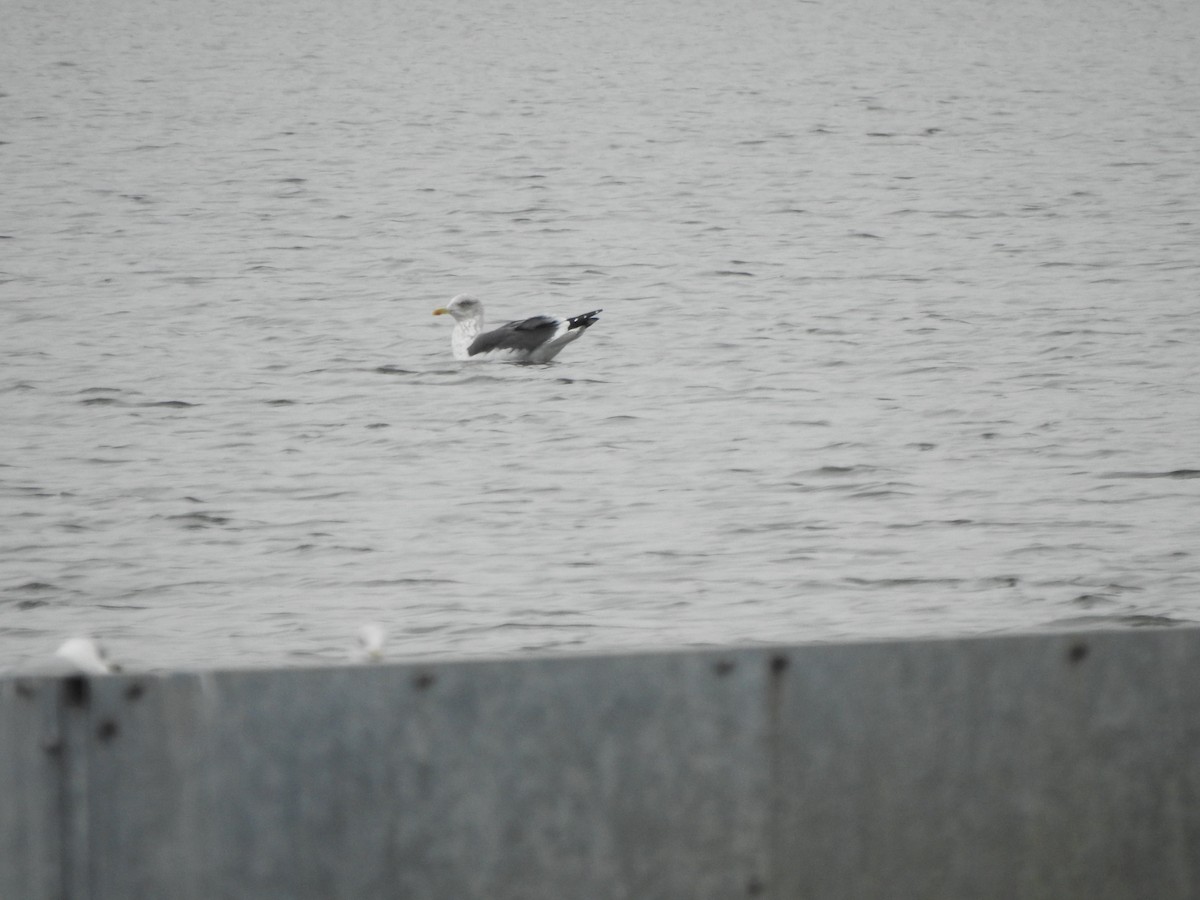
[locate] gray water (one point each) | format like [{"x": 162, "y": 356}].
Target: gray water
[{"x": 899, "y": 335}]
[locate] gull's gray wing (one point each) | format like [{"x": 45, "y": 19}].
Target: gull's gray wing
[{"x": 525, "y": 335}]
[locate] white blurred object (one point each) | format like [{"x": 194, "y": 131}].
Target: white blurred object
[
  {"x": 370, "y": 642},
  {"x": 86, "y": 656}
]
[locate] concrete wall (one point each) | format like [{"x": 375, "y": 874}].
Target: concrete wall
[{"x": 1048, "y": 766}]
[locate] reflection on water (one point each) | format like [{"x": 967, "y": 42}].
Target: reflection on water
[{"x": 899, "y": 332}]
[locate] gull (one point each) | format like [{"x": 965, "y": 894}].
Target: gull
[
  {"x": 86, "y": 656},
  {"x": 537, "y": 339},
  {"x": 370, "y": 643}
]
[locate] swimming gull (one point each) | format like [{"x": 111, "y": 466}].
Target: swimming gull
[
  {"x": 86, "y": 656},
  {"x": 370, "y": 643},
  {"x": 537, "y": 339}
]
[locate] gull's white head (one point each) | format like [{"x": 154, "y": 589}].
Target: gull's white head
[
  {"x": 86, "y": 656},
  {"x": 464, "y": 308},
  {"x": 370, "y": 642}
]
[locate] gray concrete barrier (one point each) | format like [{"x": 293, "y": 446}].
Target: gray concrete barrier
[{"x": 1042, "y": 766}]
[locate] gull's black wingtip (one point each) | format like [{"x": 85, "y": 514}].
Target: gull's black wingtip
[{"x": 585, "y": 320}]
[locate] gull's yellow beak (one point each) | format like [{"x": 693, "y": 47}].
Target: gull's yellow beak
[{"x": 441, "y": 311}]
